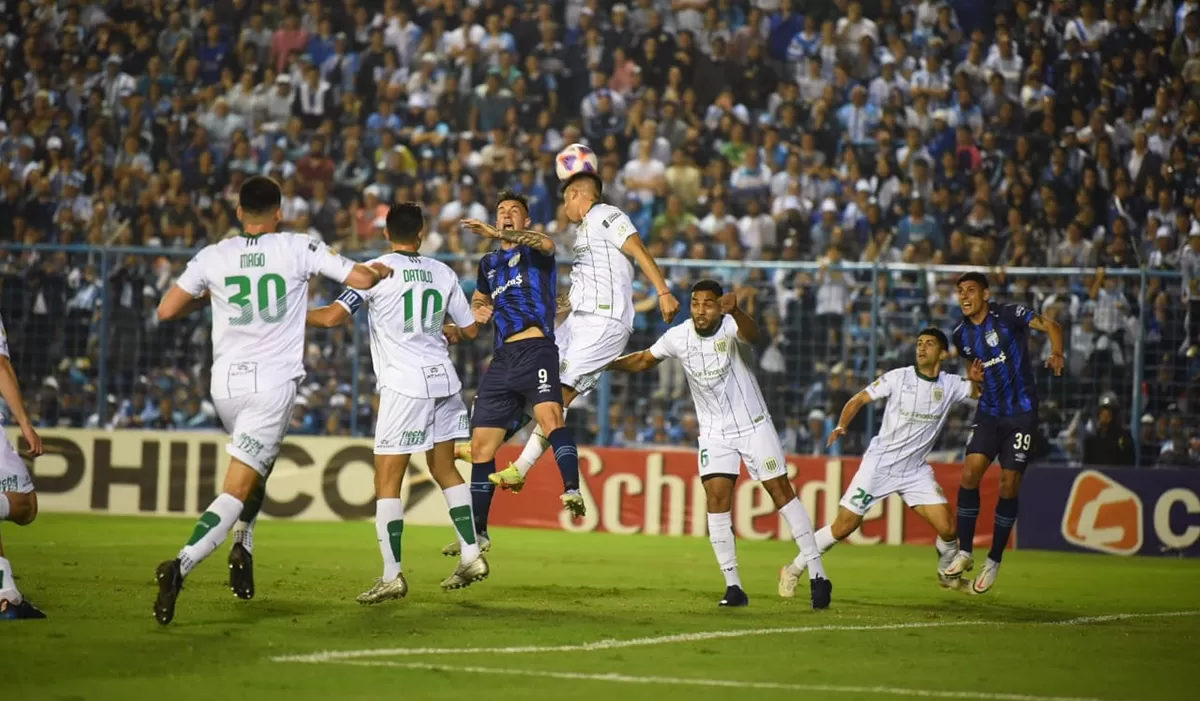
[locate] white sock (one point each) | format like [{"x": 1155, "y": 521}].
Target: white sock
[
  {"x": 947, "y": 550},
  {"x": 720, "y": 534},
  {"x": 458, "y": 501},
  {"x": 211, "y": 530},
  {"x": 802, "y": 532},
  {"x": 825, "y": 540},
  {"x": 244, "y": 533},
  {"x": 534, "y": 448},
  {"x": 8, "y": 585},
  {"x": 389, "y": 528},
  {"x": 5, "y": 508}
]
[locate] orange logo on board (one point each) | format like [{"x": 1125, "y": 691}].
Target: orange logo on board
[{"x": 1103, "y": 515}]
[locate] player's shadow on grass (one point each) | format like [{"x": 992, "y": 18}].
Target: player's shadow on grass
[
  {"x": 968, "y": 609},
  {"x": 245, "y": 613}
]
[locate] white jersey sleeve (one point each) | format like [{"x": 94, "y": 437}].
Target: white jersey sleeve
[
  {"x": 320, "y": 259},
  {"x": 885, "y": 385},
  {"x": 669, "y": 344},
  {"x": 193, "y": 280},
  {"x": 459, "y": 308},
  {"x": 960, "y": 389},
  {"x": 617, "y": 227},
  {"x": 3, "y": 340}
]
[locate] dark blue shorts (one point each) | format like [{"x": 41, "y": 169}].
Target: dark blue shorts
[
  {"x": 1010, "y": 440},
  {"x": 521, "y": 371}
]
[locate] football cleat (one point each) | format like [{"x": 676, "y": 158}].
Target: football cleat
[
  {"x": 954, "y": 584},
  {"x": 987, "y": 577},
  {"x": 821, "y": 590},
  {"x": 384, "y": 591},
  {"x": 509, "y": 478},
  {"x": 170, "y": 582},
  {"x": 24, "y": 610},
  {"x": 462, "y": 451},
  {"x": 454, "y": 549},
  {"x": 963, "y": 562},
  {"x": 241, "y": 572},
  {"x": 467, "y": 573},
  {"x": 573, "y": 502},
  {"x": 789, "y": 578},
  {"x": 734, "y": 596}
]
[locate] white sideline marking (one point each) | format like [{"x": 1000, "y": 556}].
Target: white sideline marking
[
  {"x": 337, "y": 655},
  {"x": 721, "y": 683}
]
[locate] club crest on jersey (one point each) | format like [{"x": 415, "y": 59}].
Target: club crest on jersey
[
  {"x": 992, "y": 338},
  {"x": 722, "y": 345},
  {"x": 938, "y": 394},
  {"x": 512, "y": 262}
]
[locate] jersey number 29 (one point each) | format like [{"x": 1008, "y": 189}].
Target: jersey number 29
[{"x": 269, "y": 286}]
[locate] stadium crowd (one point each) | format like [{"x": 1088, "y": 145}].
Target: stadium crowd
[{"x": 997, "y": 134}]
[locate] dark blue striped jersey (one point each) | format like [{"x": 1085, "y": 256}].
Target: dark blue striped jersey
[
  {"x": 1001, "y": 341},
  {"x": 521, "y": 282}
]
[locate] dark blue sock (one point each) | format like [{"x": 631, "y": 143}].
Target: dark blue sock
[
  {"x": 968, "y": 511},
  {"x": 567, "y": 457},
  {"x": 482, "y": 492},
  {"x": 1006, "y": 518}
]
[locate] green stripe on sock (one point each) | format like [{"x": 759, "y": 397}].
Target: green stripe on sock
[
  {"x": 395, "y": 531},
  {"x": 203, "y": 526},
  {"x": 463, "y": 523}
]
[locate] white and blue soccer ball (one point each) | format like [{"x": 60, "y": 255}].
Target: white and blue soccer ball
[{"x": 576, "y": 159}]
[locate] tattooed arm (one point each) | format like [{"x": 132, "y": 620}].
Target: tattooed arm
[{"x": 533, "y": 239}]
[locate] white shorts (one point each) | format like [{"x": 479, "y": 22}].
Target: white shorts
[
  {"x": 408, "y": 425},
  {"x": 761, "y": 452},
  {"x": 873, "y": 482},
  {"x": 256, "y": 424},
  {"x": 586, "y": 344},
  {"x": 14, "y": 474}
]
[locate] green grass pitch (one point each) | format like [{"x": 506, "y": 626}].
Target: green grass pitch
[{"x": 1047, "y": 631}]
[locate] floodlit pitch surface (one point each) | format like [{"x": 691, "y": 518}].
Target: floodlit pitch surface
[{"x": 582, "y": 617}]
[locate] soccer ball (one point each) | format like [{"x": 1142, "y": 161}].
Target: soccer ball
[{"x": 576, "y": 159}]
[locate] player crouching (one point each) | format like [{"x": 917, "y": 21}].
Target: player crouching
[{"x": 919, "y": 400}]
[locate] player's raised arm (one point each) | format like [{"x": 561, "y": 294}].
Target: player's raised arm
[
  {"x": 747, "y": 327},
  {"x": 1054, "y": 331},
  {"x": 634, "y": 248},
  {"x": 364, "y": 277},
  {"x": 522, "y": 237}
]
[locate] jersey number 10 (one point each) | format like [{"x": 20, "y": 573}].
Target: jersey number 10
[
  {"x": 269, "y": 286},
  {"x": 432, "y": 313}
]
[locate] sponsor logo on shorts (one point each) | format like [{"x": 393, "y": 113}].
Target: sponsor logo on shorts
[
  {"x": 8, "y": 484},
  {"x": 408, "y": 438},
  {"x": 248, "y": 445},
  {"x": 464, "y": 421},
  {"x": 1103, "y": 515}
]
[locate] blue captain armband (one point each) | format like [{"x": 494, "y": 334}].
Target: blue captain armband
[{"x": 351, "y": 300}]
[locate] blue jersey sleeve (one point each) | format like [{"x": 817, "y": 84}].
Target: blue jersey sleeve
[
  {"x": 958, "y": 338},
  {"x": 481, "y": 283},
  {"x": 1016, "y": 315}
]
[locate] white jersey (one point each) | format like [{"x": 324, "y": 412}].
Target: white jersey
[
  {"x": 729, "y": 403},
  {"x": 601, "y": 276},
  {"x": 3, "y": 340},
  {"x": 406, "y": 311},
  {"x": 259, "y": 290},
  {"x": 917, "y": 408}
]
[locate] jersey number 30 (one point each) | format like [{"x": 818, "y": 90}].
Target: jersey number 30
[{"x": 271, "y": 299}]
